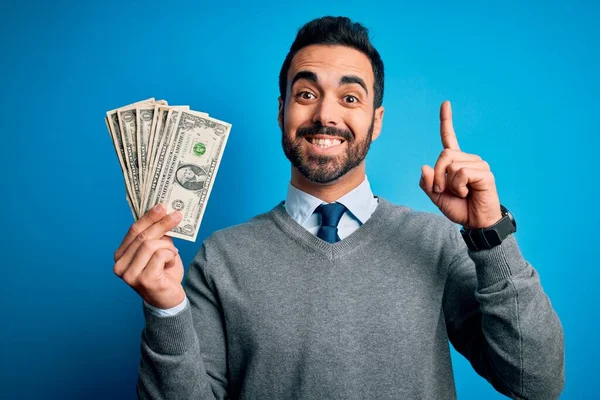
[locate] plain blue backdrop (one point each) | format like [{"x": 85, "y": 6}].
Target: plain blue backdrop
[{"x": 523, "y": 80}]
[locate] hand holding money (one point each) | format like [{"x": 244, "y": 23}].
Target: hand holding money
[
  {"x": 168, "y": 155},
  {"x": 148, "y": 261}
]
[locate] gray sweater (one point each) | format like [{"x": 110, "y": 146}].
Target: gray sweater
[{"x": 276, "y": 313}]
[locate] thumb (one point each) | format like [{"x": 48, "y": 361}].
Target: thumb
[{"x": 426, "y": 182}]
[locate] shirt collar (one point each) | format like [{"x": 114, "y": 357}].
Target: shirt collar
[
  {"x": 359, "y": 201},
  {"x": 301, "y": 205}
]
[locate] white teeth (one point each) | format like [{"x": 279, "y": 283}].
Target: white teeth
[{"x": 324, "y": 143}]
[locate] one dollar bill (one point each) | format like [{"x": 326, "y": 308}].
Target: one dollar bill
[{"x": 197, "y": 147}]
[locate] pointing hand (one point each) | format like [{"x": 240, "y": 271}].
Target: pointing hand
[{"x": 461, "y": 185}]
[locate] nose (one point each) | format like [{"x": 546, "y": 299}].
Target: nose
[{"x": 327, "y": 112}]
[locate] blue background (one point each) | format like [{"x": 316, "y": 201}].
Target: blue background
[{"x": 523, "y": 80}]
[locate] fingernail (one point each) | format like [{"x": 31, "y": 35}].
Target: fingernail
[
  {"x": 437, "y": 189},
  {"x": 176, "y": 215},
  {"x": 158, "y": 208},
  {"x": 422, "y": 179}
]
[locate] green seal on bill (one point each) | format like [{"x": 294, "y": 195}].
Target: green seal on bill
[{"x": 199, "y": 149}]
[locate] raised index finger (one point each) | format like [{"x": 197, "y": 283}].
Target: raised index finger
[{"x": 449, "y": 140}]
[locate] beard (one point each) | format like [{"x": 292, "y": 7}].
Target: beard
[{"x": 326, "y": 169}]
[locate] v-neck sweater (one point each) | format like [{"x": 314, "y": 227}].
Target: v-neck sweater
[{"x": 274, "y": 312}]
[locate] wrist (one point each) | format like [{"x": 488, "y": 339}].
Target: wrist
[
  {"x": 487, "y": 223},
  {"x": 491, "y": 236},
  {"x": 174, "y": 299}
]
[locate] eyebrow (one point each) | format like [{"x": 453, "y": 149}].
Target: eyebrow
[
  {"x": 344, "y": 80},
  {"x": 350, "y": 79},
  {"x": 308, "y": 75}
]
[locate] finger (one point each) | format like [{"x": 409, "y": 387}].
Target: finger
[
  {"x": 148, "y": 219},
  {"x": 456, "y": 166},
  {"x": 157, "y": 230},
  {"x": 467, "y": 179},
  {"x": 164, "y": 225},
  {"x": 447, "y": 157},
  {"x": 449, "y": 140},
  {"x": 147, "y": 236},
  {"x": 156, "y": 265},
  {"x": 123, "y": 263},
  {"x": 131, "y": 270},
  {"x": 426, "y": 182}
]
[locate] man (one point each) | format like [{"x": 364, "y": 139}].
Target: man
[{"x": 336, "y": 293}]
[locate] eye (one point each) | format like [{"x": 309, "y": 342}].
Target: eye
[
  {"x": 350, "y": 99},
  {"x": 305, "y": 95}
]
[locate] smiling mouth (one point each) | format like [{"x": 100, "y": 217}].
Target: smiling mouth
[{"x": 324, "y": 142}]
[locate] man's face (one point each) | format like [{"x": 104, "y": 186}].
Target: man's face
[
  {"x": 328, "y": 120},
  {"x": 188, "y": 174}
]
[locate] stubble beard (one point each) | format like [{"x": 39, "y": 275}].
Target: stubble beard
[{"x": 326, "y": 169}]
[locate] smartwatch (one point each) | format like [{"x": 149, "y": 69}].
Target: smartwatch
[{"x": 487, "y": 238}]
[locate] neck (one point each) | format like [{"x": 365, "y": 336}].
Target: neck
[{"x": 330, "y": 192}]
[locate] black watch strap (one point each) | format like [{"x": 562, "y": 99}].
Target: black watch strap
[{"x": 487, "y": 238}]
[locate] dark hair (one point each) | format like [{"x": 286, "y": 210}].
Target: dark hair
[{"x": 335, "y": 31}]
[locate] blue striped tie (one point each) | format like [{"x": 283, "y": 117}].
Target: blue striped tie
[{"x": 330, "y": 218}]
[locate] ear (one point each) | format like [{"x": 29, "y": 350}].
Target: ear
[
  {"x": 280, "y": 114},
  {"x": 378, "y": 122}
]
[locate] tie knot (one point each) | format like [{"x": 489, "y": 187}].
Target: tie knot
[{"x": 331, "y": 214}]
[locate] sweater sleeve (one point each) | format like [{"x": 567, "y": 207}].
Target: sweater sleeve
[
  {"x": 184, "y": 356},
  {"x": 499, "y": 318}
]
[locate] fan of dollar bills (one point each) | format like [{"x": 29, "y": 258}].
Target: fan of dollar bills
[{"x": 169, "y": 155}]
